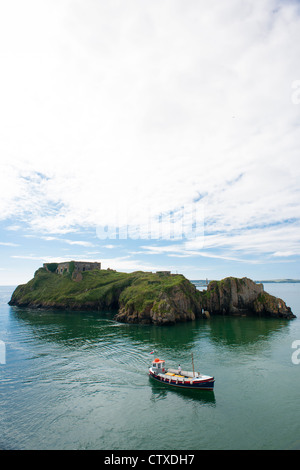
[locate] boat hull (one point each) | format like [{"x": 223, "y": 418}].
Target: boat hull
[{"x": 206, "y": 384}]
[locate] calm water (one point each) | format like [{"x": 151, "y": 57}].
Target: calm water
[{"x": 78, "y": 380}]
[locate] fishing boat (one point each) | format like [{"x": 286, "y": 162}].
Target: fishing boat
[{"x": 180, "y": 378}]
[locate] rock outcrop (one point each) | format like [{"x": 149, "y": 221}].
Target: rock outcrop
[
  {"x": 234, "y": 296},
  {"x": 181, "y": 302}
]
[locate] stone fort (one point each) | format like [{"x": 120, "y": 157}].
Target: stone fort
[{"x": 79, "y": 266}]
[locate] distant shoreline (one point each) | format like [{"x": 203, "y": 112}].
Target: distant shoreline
[
  {"x": 202, "y": 282},
  {"x": 281, "y": 281}
]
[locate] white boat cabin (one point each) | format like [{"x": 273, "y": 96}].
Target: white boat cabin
[{"x": 158, "y": 366}]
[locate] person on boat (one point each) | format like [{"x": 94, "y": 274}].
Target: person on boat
[{"x": 179, "y": 370}]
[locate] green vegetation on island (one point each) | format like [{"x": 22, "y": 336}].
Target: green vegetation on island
[
  {"x": 132, "y": 294},
  {"x": 143, "y": 297}
]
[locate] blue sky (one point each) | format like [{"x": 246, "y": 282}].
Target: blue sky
[{"x": 158, "y": 135}]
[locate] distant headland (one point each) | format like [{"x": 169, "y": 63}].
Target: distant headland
[
  {"x": 159, "y": 298},
  {"x": 280, "y": 281}
]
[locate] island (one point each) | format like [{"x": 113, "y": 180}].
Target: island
[{"x": 159, "y": 298}]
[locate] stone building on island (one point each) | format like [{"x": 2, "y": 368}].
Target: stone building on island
[{"x": 75, "y": 266}]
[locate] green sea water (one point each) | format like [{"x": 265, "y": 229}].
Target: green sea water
[{"x": 79, "y": 380}]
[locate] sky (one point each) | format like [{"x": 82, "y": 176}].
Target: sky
[{"x": 158, "y": 135}]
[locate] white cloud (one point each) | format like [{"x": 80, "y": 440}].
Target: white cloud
[
  {"x": 255, "y": 241},
  {"x": 110, "y": 247},
  {"x": 33, "y": 257},
  {"x": 77, "y": 242},
  {"x": 109, "y": 107},
  {"x": 247, "y": 245},
  {"x": 182, "y": 251},
  {"x": 128, "y": 264},
  {"x": 8, "y": 244},
  {"x": 13, "y": 228},
  {"x": 284, "y": 253},
  {"x": 63, "y": 240},
  {"x": 53, "y": 259}
]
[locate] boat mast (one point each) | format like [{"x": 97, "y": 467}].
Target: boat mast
[{"x": 193, "y": 365}]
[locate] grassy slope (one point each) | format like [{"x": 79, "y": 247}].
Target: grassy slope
[
  {"x": 101, "y": 288},
  {"x": 147, "y": 288}
]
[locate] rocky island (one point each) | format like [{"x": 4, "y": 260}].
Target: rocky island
[{"x": 141, "y": 297}]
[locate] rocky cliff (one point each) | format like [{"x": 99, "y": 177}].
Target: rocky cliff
[
  {"x": 141, "y": 297},
  {"x": 234, "y": 296},
  {"x": 175, "y": 303}
]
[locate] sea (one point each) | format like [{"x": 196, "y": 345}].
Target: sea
[{"x": 79, "y": 381}]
